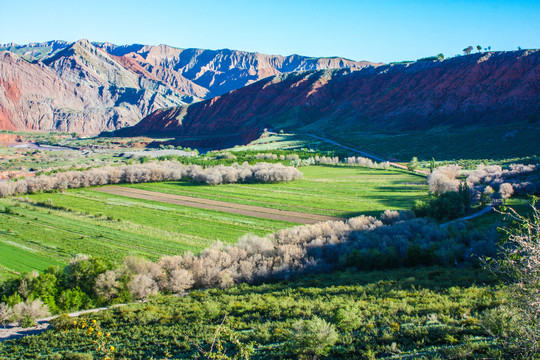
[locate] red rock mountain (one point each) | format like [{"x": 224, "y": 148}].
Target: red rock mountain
[
  {"x": 79, "y": 88},
  {"x": 208, "y": 73},
  {"x": 476, "y": 90},
  {"x": 90, "y": 87}
]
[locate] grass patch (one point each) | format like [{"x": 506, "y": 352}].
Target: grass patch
[
  {"x": 20, "y": 258},
  {"x": 58, "y": 226},
  {"x": 324, "y": 190},
  {"x": 497, "y": 142}
]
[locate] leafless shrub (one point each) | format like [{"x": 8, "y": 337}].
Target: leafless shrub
[
  {"x": 506, "y": 190},
  {"x": 142, "y": 286},
  {"x": 5, "y": 314},
  {"x": 175, "y": 278},
  {"x": 444, "y": 179},
  {"x": 518, "y": 263},
  {"x": 107, "y": 285},
  {"x": 26, "y": 313},
  {"x": 267, "y": 156},
  {"x": 389, "y": 217},
  {"x": 150, "y": 172},
  {"x": 522, "y": 179}
]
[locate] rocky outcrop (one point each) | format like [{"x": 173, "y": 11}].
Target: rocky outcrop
[{"x": 477, "y": 90}]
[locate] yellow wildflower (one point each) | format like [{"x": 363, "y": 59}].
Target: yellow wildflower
[
  {"x": 99, "y": 333},
  {"x": 112, "y": 348},
  {"x": 94, "y": 321}
]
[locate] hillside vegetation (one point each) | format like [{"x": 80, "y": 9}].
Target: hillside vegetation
[{"x": 413, "y": 313}]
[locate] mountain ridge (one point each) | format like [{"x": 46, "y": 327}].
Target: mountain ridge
[
  {"x": 122, "y": 84},
  {"x": 481, "y": 89}
]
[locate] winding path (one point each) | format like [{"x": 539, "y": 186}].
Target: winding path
[
  {"x": 363, "y": 153},
  {"x": 475, "y": 215},
  {"x": 14, "y": 331}
]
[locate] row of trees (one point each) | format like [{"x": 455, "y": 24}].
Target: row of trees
[
  {"x": 487, "y": 183},
  {"x": 363, "y": 242},
  {"x": 151, "y": 172},
  {"x": 335, "y": 160},
  {"x": 469, "y": 48}
]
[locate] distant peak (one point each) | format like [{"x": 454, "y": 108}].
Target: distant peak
[{"x": 83, "y": 43}]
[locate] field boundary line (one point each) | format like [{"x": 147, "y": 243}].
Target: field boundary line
[{"x": 208, "y": 204}]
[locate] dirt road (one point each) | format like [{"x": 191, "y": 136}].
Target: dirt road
[
  {"x": 370, "y": 156},
  {"x": 232, "y": 208}
]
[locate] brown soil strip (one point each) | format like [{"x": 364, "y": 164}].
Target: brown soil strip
[{"x": 240, "y": 209}]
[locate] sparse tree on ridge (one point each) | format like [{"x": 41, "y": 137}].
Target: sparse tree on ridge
[
  {"x": 479, "y": 48},
  {"x": 467, "y": 50},
  {"x": 440, "y": 56}
]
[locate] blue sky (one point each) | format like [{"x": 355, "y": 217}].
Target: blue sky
[{"x": 360, "y": 30}]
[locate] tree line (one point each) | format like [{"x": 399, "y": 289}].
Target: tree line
[{"x": 151, "y": 172}]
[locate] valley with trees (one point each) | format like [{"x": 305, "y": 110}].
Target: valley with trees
[{"x": 167, "y": 202}]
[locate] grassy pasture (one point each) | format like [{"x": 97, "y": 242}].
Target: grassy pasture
[
  {"x": 495, "y": 142},
  {"x": 52, "y": 227},
  {"x": 89, "y": 222},
  {"x": 325, "y": 190}
]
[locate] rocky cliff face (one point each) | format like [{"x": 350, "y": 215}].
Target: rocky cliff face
[
  {"x": 476, "y": 90},
  {"x": 215, "y": 72},
  {"x": 79, "y": 88},
  {"x": 90, "y": 87}
]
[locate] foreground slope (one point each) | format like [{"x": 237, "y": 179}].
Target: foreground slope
[{"x": 484, "y": 89}]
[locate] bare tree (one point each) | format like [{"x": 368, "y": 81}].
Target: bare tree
[
  {"x": 26, "y": 313},
  {"x": 518, "y": 265},
  {"x": 5, "y": 314}
]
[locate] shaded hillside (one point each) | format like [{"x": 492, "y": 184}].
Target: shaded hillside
[{"x": 477, "y": 90}]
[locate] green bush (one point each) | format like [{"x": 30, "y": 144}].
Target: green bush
[
  {"x": 445, "y": 207},
  {"x": 312, "y": 338}
]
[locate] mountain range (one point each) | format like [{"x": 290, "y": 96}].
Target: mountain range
[
  {"x": 89, "y": 87},
  {"x": 479, "y": 90}
]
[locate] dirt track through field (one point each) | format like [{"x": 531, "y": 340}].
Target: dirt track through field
[{"x": 232, "y": 208}]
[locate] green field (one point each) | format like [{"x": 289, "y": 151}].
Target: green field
[
  {"x": 497, "y": 142},
  {"x": 325, "y": 190},
  {"x": 50, "y": 228},
  {"x": 89, "y": 222}
]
